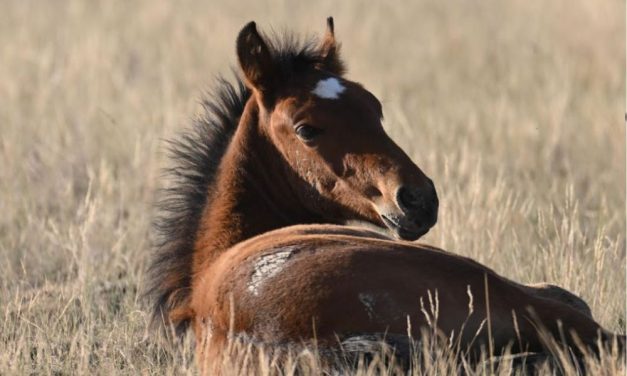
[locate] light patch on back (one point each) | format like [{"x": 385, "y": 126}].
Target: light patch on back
[
  {"x": 368, "y": 301},
  {"x": 329, "y": 88},
  {"x": 380, "y": 306},
  {"x": 267, "y": 266}
]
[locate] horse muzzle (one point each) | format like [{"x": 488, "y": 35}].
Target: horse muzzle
[{"x": 415, "y": 212}]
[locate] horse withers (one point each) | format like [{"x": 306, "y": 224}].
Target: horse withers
[{"x": 253, "y": 236}]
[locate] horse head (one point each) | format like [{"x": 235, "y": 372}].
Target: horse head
[{"x": 328, "y": 130}]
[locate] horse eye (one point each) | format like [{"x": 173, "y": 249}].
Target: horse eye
[{"x": 307, "y": 132}]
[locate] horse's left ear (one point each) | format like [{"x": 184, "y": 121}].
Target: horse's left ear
[
  {"x": 256, "y": 61},
  {"x": 330, "y": 51}
]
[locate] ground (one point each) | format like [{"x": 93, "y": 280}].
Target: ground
[{"x": 515, "y": 109}]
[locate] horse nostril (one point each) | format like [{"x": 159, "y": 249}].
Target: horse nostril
[
  {"x": 416, "y": 200},
  {"x": 408, "y": 199},
  {"x": 404, "y": 197}
]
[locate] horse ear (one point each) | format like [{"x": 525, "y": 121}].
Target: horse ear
[
  {"x": 330, "y": 51},
  {"x": 255, "y": 59}
]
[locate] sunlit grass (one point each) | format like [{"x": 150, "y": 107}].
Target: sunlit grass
[{"x": 515, "y": 109}]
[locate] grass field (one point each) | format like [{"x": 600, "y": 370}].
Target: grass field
[{"x": 515, "y": 109}]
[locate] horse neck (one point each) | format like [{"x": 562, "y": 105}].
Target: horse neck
[{"x": 247, "y": 198}]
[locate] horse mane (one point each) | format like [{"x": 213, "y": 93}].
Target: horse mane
[{"x": 195, "y": 156}]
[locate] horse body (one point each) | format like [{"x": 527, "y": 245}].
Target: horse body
[
  {"x": 334, "y": 282},
  {"x": 245, "y": 251}
]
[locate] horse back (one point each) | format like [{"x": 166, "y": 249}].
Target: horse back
[{"x": 323, "y": 281}]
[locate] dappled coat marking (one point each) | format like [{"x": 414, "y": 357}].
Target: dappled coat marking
[{"x": 252, "y": 236}]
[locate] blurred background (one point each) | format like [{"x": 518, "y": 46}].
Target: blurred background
[{"x": 515, "y": 109}]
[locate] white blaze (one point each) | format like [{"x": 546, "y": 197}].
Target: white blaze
[{"x": 329, "y": 88}]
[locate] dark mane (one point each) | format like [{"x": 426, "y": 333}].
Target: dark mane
[
  {"x": 294, "y": 55},
  {"x": 195, "y": 156}
]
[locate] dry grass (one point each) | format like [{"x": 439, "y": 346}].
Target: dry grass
[{"x": 514, "y": 108}]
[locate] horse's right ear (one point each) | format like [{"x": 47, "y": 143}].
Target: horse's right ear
[
  {"x": 255, "y": 60},
  {"x": 330, "y": 51}
]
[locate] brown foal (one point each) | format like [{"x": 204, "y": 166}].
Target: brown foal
[{"x": 254, "y": 241}]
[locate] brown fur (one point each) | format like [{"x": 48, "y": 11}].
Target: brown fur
[
  {"x": 263, "y": 267},
  {"x": 331, "y": 274}
]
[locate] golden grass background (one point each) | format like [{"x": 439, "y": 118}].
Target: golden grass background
[{"x": 515, "y": 109}]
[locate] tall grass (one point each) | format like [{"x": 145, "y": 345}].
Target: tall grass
[{"x": 515, "y": 109}]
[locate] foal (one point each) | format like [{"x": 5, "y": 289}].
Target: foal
[{"x": 253, "y": 236}]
